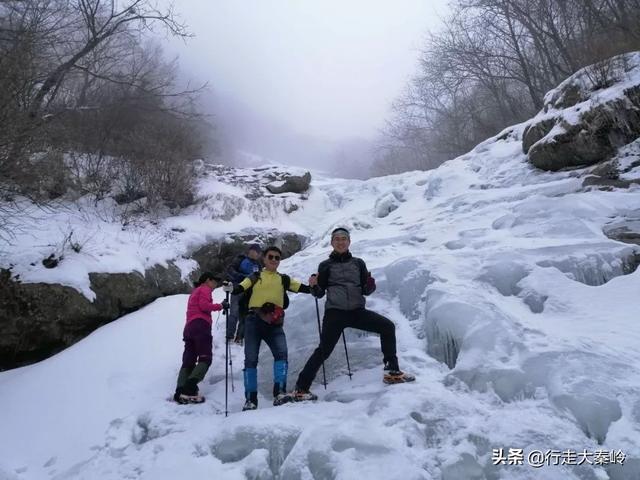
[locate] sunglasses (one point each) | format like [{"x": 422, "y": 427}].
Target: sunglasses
[{"x": 274, "y": 257}]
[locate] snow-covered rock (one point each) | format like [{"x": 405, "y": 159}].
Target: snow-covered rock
[{"x": 588, "y": 116}]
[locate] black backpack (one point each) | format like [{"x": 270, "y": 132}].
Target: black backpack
[{"x": 243, "y": 304}]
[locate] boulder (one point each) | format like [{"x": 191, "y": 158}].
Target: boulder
[
  {"x": 626, "y": 230},
  {"x": 585, "y": 121},
  {"x": 215, "y": 256},
  {"x": 293, "y": 184},
  {"x": 607, "y": 183},
  {"x": 38, "y": 320},
  {"x": 535, "y": 132},
  {"x": 556, "y": 144}
]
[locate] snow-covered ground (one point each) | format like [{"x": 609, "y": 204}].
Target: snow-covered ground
[
  {"x": 102, "y": 236},
  {"x": 517, "y": 314}
]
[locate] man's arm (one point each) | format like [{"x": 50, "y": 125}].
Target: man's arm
[
  {"x": 322, "y": 280},
  {"x": 366, "y": 280},
  {"x": 296, "y": 286},
  {"x": 205, "y": 304},
  {"x": 237, "y": 288}
]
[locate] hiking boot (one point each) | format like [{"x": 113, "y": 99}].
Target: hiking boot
[
  {"x": 397, "y": 376},
  {"x": 249, "y": 405},
  {"x": 190, "y": 388},
  {"x": 300, "y": 395},
  {"x": 183, "y": 399},
  {"x": 281, "y": 399}
]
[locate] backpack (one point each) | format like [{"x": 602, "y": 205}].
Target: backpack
[
  {"x": 232, "y": 273},
  {"x": 243, "y": 304}
]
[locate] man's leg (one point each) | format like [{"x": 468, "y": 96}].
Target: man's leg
[
  {"x": 251, "y": 351},
  {"x": 332, "y": 325},
  {"x": 277, "y": 341},
  {"x": 374, "y": 322},
  {"x": 233, "y": 315},
  {"x": 240, "y": 330}
]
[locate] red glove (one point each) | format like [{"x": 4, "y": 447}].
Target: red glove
[{"x": 371, "y": 284}]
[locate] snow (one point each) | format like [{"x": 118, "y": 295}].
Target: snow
[
  {"x": 101, "y": 236},
  {"x": 517, "y": 314}
]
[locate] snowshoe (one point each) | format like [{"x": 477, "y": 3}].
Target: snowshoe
[
  {"x": 281, "y": 399},
  {"x": 302, "y": 395},
  {"x": 249, "y": 405},
  {"x": 183, "y": 399},
  {"x": 397, "y": 376}
]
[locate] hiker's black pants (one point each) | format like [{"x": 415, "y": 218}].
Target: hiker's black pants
[{"x": 333, "y": 323}]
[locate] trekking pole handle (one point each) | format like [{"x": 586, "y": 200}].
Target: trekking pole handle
[
  {"x": 225, "y": 305},
  {"x": 313, "y": 275}
]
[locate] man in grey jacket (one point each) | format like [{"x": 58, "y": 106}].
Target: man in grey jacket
[{"x": 346, "y": 281}]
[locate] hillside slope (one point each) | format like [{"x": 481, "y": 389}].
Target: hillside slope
[{"x": 513, "y": 307}]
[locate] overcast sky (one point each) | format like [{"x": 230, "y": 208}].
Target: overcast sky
[{"x": 327, "y": 68}]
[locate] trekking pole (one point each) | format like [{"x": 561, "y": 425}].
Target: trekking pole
[
  {"x": 233, "y": 388},
  {"x": 226, "y": 364},
  {"x": 347, "y": 354},
  {"x": 324, "y": 374}
]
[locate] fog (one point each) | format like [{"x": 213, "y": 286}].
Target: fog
[{"x": 303, "y": 82}]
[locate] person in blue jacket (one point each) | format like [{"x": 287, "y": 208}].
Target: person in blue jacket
[{"x": 242, "y": 267}]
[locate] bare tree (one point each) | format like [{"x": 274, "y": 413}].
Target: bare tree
[
  {"x": 93, "y": 22},
  {"x": 490, "y": 66},
  {"x": 78, "y": 82}
]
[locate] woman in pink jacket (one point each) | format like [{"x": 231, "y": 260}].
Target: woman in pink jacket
[{"x": 198, "y": 342}]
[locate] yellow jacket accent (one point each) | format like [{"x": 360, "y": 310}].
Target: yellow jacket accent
[{"x": 268, "y": 289}]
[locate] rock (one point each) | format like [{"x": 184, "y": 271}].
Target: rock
[
  {"x": 598, "y": 135},
  {"x": 630, "y": 166},
  {"x": 129, "y": 196},
  {"x": 604, "y": 183},
  {"x": 569, "y": 96},
  {"x": 293, "y": 184},
  {"x": 626, "y": 231},
  {"x": 624, "y": 234},
  {"x": 39, "y": 319},
  {"x": 51, "y": 261},
  {"x": 607, "y": 170},
  {"x": 589, "y": 126},
  {"x": 215, "y": 256},
  {"x": 535, "y": 132}
]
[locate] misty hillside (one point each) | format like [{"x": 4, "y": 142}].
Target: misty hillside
[{"x": 513, "y": 289}]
